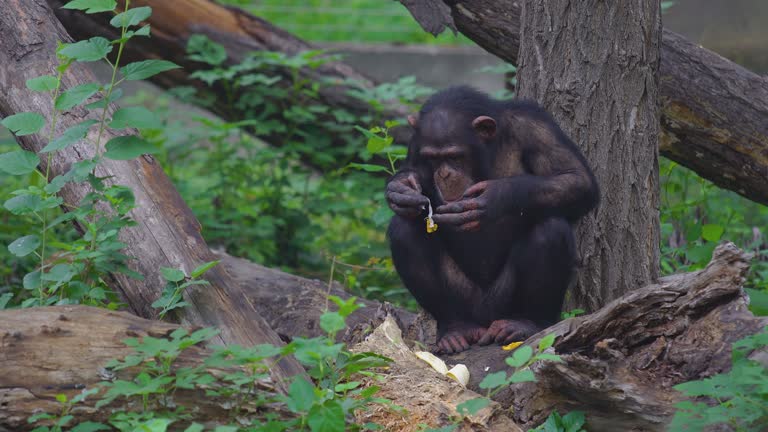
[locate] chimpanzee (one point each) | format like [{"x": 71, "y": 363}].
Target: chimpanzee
[{"x": 506, "y": 184}]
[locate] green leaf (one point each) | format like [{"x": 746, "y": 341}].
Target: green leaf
[
  {"x": 700, "y": 254},
  {"x": 92, "y": 6},
  {"x": 136, "y": 117},
  {"x": 19, "y": 162},
  {"x": 172, "y": 274},
  {"x": 493, "y": 380},
  {"x": 520, "y": 356},
  {"x": 25, "y": 123},
  {"x": 128, "y": 147},
  {"x": 332, "y": 322},
  {"x": 546, "y": 342},
  {"x": 758, "y": 301},
  {"x": 75, "y": 96},
  {"x": 60, "y": 273},
  {"x": 301, "y": 395},
  {"x": 45, "y": 83},
  {"x": 61, "y": 397},
  {"x": 116, "y": 94},
  {"x": 472, "y": 406},
  {"x": 5, "y": 299},
  {"x": 70, "y": 136},
  {"x": 524, "y": 375},
  {"x": 201, "y": 269},
  {"x": 712, "y": 232},
  {"x": 573, "y": 421},
  {"x": 377, "y": 143},
  {"x": 31, "y": 280},
  {"x": 90, "y": 426},
  {"x": 131, "y": 17},
  {"x": 328, "y": 417},
  {"x": 93, "y": 49},
  {"x": 144, "y": 69},
  {"x": 22, "y": 204},
  {"x": 194, "y": 427},
  {"x": 201, "y": 48},
  {"x": 367, "y": 167},
  {"x": 24, "y": 246}
]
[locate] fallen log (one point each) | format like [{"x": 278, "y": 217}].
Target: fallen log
[
  {"x": 619, "y": 363},
  {"x": 167, "y": 233},
  {"x": 713, "y": 110}
]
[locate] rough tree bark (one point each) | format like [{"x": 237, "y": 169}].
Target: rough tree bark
[
  {"x": 604, "y": 93},
  {"x": 167, "y": 235},
  {"x": 619, "y": 364},
  {"x": 713, "y": 110}
]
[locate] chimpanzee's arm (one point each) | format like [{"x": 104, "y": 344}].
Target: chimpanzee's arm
[{"x": 560, "y": 182}]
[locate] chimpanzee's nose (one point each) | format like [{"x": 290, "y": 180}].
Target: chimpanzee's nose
[{"x": 445, "y": 174}]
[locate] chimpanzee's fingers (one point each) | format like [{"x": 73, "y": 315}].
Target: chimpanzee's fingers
[
  {"x": 411, "y": 180},
  {"x": 409, "y": 212},
  {"x": 407, "y": 200},
  {"x": 463, "y": 342},
  {"x": 512, "y": 337},
  {"x": 457, "y": 218},
  {"x": 443, "y": 347},
  {"x": 459, "y": 206},
  {"x": 503, "y": 334},
  {"x": 476, "y": 189},
  {"x": 402, "y": 187},
  {"x": 455, "y": 343},
  {"x": 488, "y": 337}
]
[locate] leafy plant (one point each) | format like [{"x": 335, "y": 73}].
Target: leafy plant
[
  {"x": 737, "y": 398},
  {"x": 572, "y": 422},
  {"x": 71, "y": 271},
  {"x": 177, "y": 282}
]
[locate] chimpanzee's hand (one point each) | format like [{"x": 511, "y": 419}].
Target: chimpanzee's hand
[
  {"x": 404, "y": 195},
  {"x": 480, "y": 203}
]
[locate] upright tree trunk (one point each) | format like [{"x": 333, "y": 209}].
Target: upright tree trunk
[{"x": 593, "y": 65}]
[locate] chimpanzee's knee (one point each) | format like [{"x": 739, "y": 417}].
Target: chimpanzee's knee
[{"x": 553, "y": 237}]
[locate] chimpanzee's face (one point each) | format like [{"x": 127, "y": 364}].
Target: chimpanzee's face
[{"x": 450, "y": 144}]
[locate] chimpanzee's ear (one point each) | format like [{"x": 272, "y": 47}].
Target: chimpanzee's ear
[
  {"x": 412, "y": 120},
  {"x": 485, "y": 126}
]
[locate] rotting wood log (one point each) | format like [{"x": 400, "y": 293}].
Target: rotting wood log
[
  {"x": 167, "y": 235},
  {"x": 619, "y": 363},
  {"x": 713, "y": 111}
]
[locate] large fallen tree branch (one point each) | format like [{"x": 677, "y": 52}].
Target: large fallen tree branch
[
  {"x": 714, "y": 110},
  {"x": 620, "y": 363},
  {"x": 167, "y": 233}
]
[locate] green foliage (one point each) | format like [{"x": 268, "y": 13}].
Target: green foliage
[
  {"x": 177, "y": 282},
  {"x": 736, "y": 398},
  {"x": 60, "y": 265},
  {"x": 574, "y": 421}
]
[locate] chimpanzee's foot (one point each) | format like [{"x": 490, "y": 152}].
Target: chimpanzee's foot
[
  {"x": 457, "y": 337},
  {"x": 507, "y": 331}
]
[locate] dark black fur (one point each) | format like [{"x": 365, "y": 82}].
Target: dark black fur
[{"x": 519, "y": 262}]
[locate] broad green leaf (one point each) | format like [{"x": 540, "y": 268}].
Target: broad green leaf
[
  {"x": 128, "y": 147},
  {"x": 301, "y": 395},
  {"x": 144, "y": 69},
  {"x": 172, "y": 274},
  {"x": 377, "y": 143},
  {"x": 70, "y": 136},
  {"x": 201, "y": 48},
  {"x": 19, "y": 162},
  {"x": 75, "y": 96},
  {"x": 136, "y": 117},
  {"x": 331, "y": 322},
  {"x": 547, "y": 341},
  {"x": 24, "y": 246},
  {"x": 201, "y": 269},
  {"x": 93, "y": 49},
  {"x": 45, "y": 83},
  {"x": 758, "y": 301},
  {"x": 328, "y": 417},
  {"x": 525, "y": 375},
  {"x": 92, "y": 6},
  {"x": 712, "y": 232},
  {"x": 700, "y": 254},
  {"x": 5, "y": 299},
  {"x": 25, "y": 123},
  {"x": 90, "y": 426},
  {"x": 117, "y": 93},
  {"x": 31, "y": 280},
  {"x": 573, "y": 421},
  {"x": 520, "y": 356},
  {"x": 131, "y": 17},
  {"x": 22, "y": 204},
  {"x": 61, "y": 398},
  {"x": 194, "y": 427},
  {"x": 472, "y": 406},
  {"x": 60, "y": 273},
  {"x": 493, "y": 380}
]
